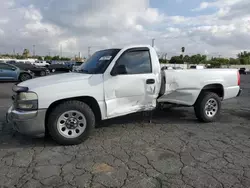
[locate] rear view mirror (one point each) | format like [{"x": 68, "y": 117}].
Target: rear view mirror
[{"x": 121, "y": 69}]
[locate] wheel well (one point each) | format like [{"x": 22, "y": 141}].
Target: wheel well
[
  {"x": 215, "y": 88},
  {"x": 88, "y": 100},
  {"x": 21, "y": 73}
]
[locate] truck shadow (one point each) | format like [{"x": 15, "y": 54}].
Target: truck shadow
[{"x": 12, "y": 139}]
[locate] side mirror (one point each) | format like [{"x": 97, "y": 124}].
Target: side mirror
[
  {"x": 13, "y": 69},
  {"x": 121, "y": 69}
]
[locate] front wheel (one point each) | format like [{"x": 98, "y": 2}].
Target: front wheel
[
  {"x": 42, "y": 73},
  {"x": 71, "y": 122},
  {"x": 24, "y": 76},
  {"x": 207, "y": 107}
]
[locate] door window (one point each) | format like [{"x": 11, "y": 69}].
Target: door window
[
  {"x": 135, "y": 62},
  {"x": 6, "y": 67}
]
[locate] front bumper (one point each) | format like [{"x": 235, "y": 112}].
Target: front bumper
[
  {"x": 239, "y": 92},
  {"x": 30, "y": 123}
]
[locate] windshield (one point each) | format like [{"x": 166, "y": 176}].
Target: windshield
[{"x": 98, "y": 62}]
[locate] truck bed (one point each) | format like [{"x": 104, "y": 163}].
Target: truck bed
[{"x": 184, "y": 86}]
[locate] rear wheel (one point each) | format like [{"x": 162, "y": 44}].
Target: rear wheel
[
  {"x": 207, "y": 107},
  {"x": 24, "y": 76},
  {"x": 71, "y": 122}
]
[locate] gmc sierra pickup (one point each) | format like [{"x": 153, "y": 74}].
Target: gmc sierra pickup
[{"x": 112, "y": 83}]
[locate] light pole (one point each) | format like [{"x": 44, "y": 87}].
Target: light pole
[
  {"x": 60, "y": 50},
  {"x": 89, "y": 51},
  {"x": 34, "y": 50},
  {"x": 153, "y": 42}
]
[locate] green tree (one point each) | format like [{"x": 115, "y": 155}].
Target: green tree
[
  {"x": 47, "y": 58},
  {"x": 26, "y": 53},
  {"x": 186, "y": 58},
  {"x": 176, "y": 60},
  {"x": 222, "y": 61},
  {"x": 243, "y": 54},
  {"x": 233, "y": 61},
  {"x": 65, "y": 59},
  {"x": 214, "y": 63},
  {"x": 164, "y": 61},
  {"x": 244, "y": 60},
  {"x": 197, "y": 59},
  {"x": 244, "y": 57},
  {"x": 56, "y": 58}
]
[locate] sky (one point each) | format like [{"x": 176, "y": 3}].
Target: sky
[{"x": 212, "y": 27}]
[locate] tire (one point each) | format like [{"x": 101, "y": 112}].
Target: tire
[
  {"x": 211, "y": 114},
  {"x": 65, "y": 134},
  {"x": 42, "y": 73},
  {"x": 24, "y": 76}
]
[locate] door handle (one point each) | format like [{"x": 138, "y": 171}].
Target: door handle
[{"x": 150, "y": 81}]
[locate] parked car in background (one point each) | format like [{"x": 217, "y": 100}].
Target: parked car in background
[
  {"x": 76, "y": 66},
  {"x": 196, "y": 67},
  {"x": 38, "y": 71},
  {"x": 242, "y": 71},
  {"x": 166, "y": 68},
  {"x": 41, "y": 63},
  {"x": 60, "y": 67},
  {"x": 12, "y": 73}
]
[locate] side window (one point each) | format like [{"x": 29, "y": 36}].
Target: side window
[
  {"x": 136, "y": 62},
  {"x": 5, "y": 66}
]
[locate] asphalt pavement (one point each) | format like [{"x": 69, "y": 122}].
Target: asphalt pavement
[{"x": 175, "y": 150}]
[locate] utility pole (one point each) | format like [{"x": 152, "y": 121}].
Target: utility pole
[
  {"x": 61, "y": 50},
  {"x": 153, "y": 42},
  {"x": 166, "y": 57},
  {"x": 34, "y": 50},
  {"x": 89, "y": 51},
  {"x": 14, "y": 51}
]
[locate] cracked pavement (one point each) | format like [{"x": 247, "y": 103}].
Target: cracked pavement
[{"x": 175, "y": 150}]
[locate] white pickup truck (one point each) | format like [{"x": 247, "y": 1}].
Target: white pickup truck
[
  {"x": 41, "y": 63},
  {"x": 112, "y": 83}
]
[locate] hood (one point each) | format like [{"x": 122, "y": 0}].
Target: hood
[{"x": 54, "y": 79}]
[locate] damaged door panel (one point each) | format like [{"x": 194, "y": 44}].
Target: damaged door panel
[{"x": 131, "y": 85}]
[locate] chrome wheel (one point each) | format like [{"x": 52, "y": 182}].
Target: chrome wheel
[
  {"x": 71, "y": 124},
  {"x": 211, "y": 107}
]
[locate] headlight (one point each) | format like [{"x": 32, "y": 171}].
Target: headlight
[{"x": 27, "y": 101}]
